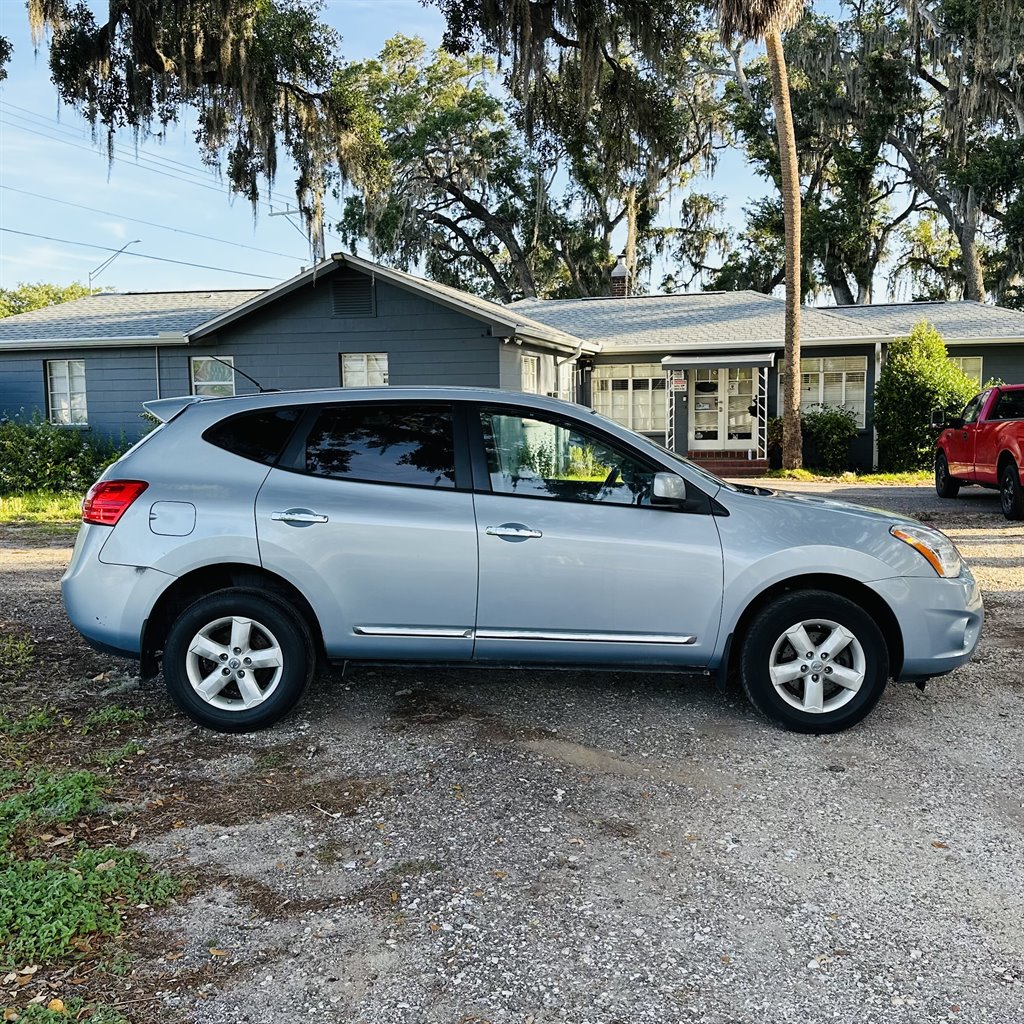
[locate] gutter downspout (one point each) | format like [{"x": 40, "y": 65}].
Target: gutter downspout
[{"x": 156, "y": 364}]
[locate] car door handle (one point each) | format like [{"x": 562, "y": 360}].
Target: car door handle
[
  {"x": 513, "y": 531},
  {"x": 298, "y": 515}
]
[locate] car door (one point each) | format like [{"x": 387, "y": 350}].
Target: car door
[
  {"x": 987, "y": 439},
  {"x": 370, "y": 515},
  {"x": 576, "y": 565},
  {"x": 962, "y": 440}
]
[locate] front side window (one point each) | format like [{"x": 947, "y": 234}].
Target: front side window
[
  {"x": 973, "y": 407},
  {"x": 65, "y": 392},
  {"x": 540, "y": 458},
  {"x": 214, "y": 378},
  {"x": 393, "y": 444},
  {"x": 364, "y": 369},
  {"x": 632, "y": 394}
]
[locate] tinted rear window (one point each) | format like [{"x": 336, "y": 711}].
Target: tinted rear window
[
  {"x": 260, "y": 436},
  {"x": 1010, "y": 406},
  {"x": 392, "y": 445}
]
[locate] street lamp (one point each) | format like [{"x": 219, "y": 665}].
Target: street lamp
[{"x": 110, "y": 259}]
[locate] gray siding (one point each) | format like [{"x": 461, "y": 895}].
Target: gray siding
[{"x": 1002, "y": 362}]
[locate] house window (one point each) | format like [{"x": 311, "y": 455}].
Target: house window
[
  {"x": 364, "y": 369},
  {"x": 213, "y": 378},
  {"x": 630, "y": 394},
  {"x": 566, "y": 382},
  {"x": 833, "y": 381},
  {"x": 65, "y": 392},
  {"x": 531, "y": 374},
  {"x": 971, "y": 365}
]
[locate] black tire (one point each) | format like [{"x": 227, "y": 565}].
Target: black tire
[
  {"x": 765, "y": 646},
  {"x": 946, "y": 486},
  {"x": 1011, "y": 494},
  {"x": 276, "y": 634}
]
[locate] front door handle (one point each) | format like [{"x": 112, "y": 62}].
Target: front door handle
[
  {"x": 299, "y": 516},
  {"x": 513, "y": 532}
]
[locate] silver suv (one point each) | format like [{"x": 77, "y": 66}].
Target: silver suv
[{"x": 247, "y": 539}]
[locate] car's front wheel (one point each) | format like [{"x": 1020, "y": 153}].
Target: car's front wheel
[
  {"x": 814, "y": 661},
  {"x": 237, "y": 660},
  {"x": 1011, "y": 494},
  {"x": 946, "y": 486}
]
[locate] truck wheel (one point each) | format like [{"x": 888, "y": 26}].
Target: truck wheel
[
  {"x": 946, "y": 486},
  {"x": 1011, "y": 495},
  {"x": 814, "y": 661}
]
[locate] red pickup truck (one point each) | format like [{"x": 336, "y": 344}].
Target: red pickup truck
[{"x": 984, "y": 445}]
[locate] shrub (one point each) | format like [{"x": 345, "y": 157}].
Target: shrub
[
  {"x": 917, "y": 377},
  {"x": 831, "y": 429},
  {"x": 36, "y": 455}
]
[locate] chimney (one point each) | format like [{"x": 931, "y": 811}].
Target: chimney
[{"x": 620, "y": 278}]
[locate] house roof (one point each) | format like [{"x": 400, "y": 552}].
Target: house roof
[
  {"x": 505, "y": 320},
  {"x": 119, "y": 317},
  {"x": 708, "y": 320}
]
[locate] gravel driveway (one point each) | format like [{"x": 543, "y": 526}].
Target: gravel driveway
[{"x": 423, "y": 846}]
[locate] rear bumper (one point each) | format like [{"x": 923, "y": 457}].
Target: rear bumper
[
  {"x": 940, "y": 619},
  {"x": 109, "y": 604}
]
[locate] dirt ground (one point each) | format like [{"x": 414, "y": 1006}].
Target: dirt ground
[{"x": 429, "y": 846}]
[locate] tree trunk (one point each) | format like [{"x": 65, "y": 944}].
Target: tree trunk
[
  {"x": 970, "y": 259},
  {"x": 792, "y": 442}
]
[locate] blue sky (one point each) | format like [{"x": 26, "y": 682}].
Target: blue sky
[{"x": 56, "y": 182}]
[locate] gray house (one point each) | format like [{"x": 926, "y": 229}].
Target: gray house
[
  {"x": 91, "y": 363},
  {"x": 700, "y": 371}
]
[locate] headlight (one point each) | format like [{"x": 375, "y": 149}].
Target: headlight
[{"x": 940, "y": 551}]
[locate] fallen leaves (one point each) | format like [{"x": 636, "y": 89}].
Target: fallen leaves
[{"x": 214, "y": 951}]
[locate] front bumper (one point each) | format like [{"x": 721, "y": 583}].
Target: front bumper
[
  {"x": 940, "y": 620},
  {"x": 109, "y": 604}
]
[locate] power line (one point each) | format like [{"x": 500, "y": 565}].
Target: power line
[
  {"x": 138, "y": 255},
  {"x": 148, "y": 223}
]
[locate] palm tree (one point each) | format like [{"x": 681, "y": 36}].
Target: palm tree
[{"x": 767, "y": 20}]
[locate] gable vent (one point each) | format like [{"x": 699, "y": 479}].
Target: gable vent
[{"x": 352, "y": 296}]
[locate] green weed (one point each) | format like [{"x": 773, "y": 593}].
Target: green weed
[
  {"x": 35, "y": 721},
  {"x": 49, "y": 799},
  {"x": 16, "y": 654},
  {"x": 105, "y": 718},
  {"x": 49, "y": 909},
  {"x": 108, "y": 758}
]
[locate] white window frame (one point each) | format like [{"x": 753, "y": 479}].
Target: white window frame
[
  {"x": 356, "y": 371},
  {"x": 654, "y": 379},
  {"x": 530, "y": 378},
  {"x": 811, "y": 395},
  {"x": 979, "y": 377},
  {"x": 211, "y": 388},
  {"x": 60, "y": 404}
]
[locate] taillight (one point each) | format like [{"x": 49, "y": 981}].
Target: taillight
[{"x": 108, "y": 500}]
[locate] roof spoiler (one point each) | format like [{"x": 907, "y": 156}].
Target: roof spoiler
[{"x": 165, "y": 409}]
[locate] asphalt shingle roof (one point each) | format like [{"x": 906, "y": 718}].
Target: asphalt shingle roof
[
  {"x": 709, "y": 319},
  {"x": 128, "y": 315}
]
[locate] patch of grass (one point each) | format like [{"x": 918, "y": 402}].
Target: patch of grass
[
  {"x": 49, "y": 799},
  {"x": 108, "y": 758},
  {"x": 809, "y": 476},
  {"x": 272, "y": 759},
  {"x": 113, "y": 714},
  {"x": 74, "y": 1009},
  {"x": 50, "y": 909},
  {"x": 38, "y": 720},
  {"x": 328, "y": 853},
  {"x": 41, "y": 507},
  {"x": 16, "y": 654}
]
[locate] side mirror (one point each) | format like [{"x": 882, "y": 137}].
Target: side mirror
[
  {"x": 669, "y": 490},
  {"x": 938, "y": 419}
]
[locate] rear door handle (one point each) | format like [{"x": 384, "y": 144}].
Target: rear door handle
[
  {"x": 513, "y": 531},
  {"x": 299, "y": 516}
]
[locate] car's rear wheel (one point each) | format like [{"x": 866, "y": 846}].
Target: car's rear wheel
[
  {"x": 814, "y": 662},
  {"x": 237, "y": 660},
  {"x": 1011, "y": 495},
  {"x": 946, "y": 486}
]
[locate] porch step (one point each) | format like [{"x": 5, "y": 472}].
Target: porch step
[{"x": 731, "y": 466}]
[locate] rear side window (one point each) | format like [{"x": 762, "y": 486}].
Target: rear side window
[
  {"x": 1010, "y": 406},
  {"x": 388, "y": 445},
  {"x": 260, "y": 436}
]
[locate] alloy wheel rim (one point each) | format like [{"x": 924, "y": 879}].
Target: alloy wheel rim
[
  {"x": 234, "y": 663},
  {"x": 1006, "y": 493},
  {"x": 817, "y": 666}
]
